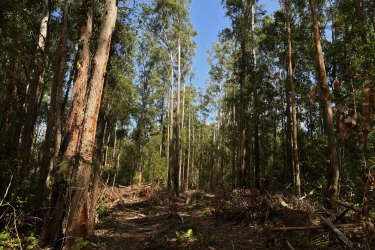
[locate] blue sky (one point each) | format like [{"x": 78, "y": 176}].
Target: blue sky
[{"x": 208, "y": 18}]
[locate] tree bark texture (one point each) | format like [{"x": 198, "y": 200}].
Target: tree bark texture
[
  {"x": 333, "y": 176},
  {"x": 77, "y": 225}
]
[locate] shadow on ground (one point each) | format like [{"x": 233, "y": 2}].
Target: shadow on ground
[{"x": 159, "y": 223}]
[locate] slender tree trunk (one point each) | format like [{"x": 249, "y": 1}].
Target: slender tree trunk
[
  {"x": 182, "y": 170},
  {"x": 297, "y": 178},
  {"x": 188, "y": 155},
  {"x": 234, "y": 170},
  {"x": 171, "y": 126},
  {"x": 176, "y": 170},
  {"x": 33, "y": 93},
  {"x": 256, "y": 112},
  {"x": 333, "y": 177}
]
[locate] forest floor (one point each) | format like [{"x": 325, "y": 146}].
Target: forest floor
[{"x": 146, "y": 218}]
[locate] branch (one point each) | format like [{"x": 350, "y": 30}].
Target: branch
[
  {"x": 7, "y": 190},
  {"x": 338, "y": 233}
]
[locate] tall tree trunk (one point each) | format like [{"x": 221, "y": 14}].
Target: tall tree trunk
[
  {"x": 234, "y": 144},
  {"x": 181, "y": 161},
  {"x": 77, "y": 220},
  {"x": 99, "y": 157},
  {"x": 333, "y": 176},
  {"x": 170, "y": 135},
  {"x": 188, "y": 155},
  {"x": 33, "y": 93},
  {"x": 176, "y": 170},
  {"x": 53, "y": 131},
  {"x": 297, "y": 178},
  {"x": 256, "y": 112}
]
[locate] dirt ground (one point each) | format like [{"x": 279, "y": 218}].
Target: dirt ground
[{"x": 149, "y": 219}]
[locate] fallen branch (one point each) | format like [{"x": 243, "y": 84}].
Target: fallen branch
[
  {"x": 350, "y": 206},
  {"x": 338, "y": 233},
  {"x": 338, "y": 218},
  {"x": 272, "y": 229},
  {"x": 354, "y": 208},
  {"x": 290, "y": 246}
]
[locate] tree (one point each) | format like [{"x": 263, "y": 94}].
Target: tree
[
  {"x": 333, "y": 177},
  {"x": 80, "y": 172}
]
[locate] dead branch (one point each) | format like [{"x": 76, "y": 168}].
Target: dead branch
[
  {"x": 290, "y": 246},
  {"x": 350, "y": 206},
  {"x": 7, "y": 190},
  {"x": 338, "y": 218},
  {"x": 338, "y": 233},
  {"x": 354, "y": 208},
  {"x": 273, "y": 229}
]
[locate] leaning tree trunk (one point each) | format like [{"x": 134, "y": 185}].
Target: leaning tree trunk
[
  {"x": 333, "y": 177},
  {"x": 77, "y": 225}
]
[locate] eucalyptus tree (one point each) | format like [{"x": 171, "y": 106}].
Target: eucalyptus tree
[
  {"x": 221, "y": 64},
  {"x": 333, "y": 178},
  {"x": 169, "y": 22},
  {"x": 240, "y": 14},
  {"x": 79, "y": 173}
]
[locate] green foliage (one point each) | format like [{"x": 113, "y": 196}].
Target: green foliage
[
  {"x": 185, "y": 235},
  {"x": 79, "y": 243},
  {"x": 102, "y": 208}
]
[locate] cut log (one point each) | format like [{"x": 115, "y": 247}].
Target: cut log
[
  {"x": 338, "y": 233},
  {"x": 311, "y": 227}
]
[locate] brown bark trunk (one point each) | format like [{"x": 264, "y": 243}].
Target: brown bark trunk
[
  {"x": 99, "y": 159},
  {"x": 333, "y": 177},
  {"x": 77, "y": 220},
  {"x": 52, "y": 230},
  {"x": 74, "y": 123}
]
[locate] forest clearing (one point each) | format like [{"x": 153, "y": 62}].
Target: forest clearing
[
  {"x": 187, "y": 124},
  {"x": 145, "y": 218}
]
